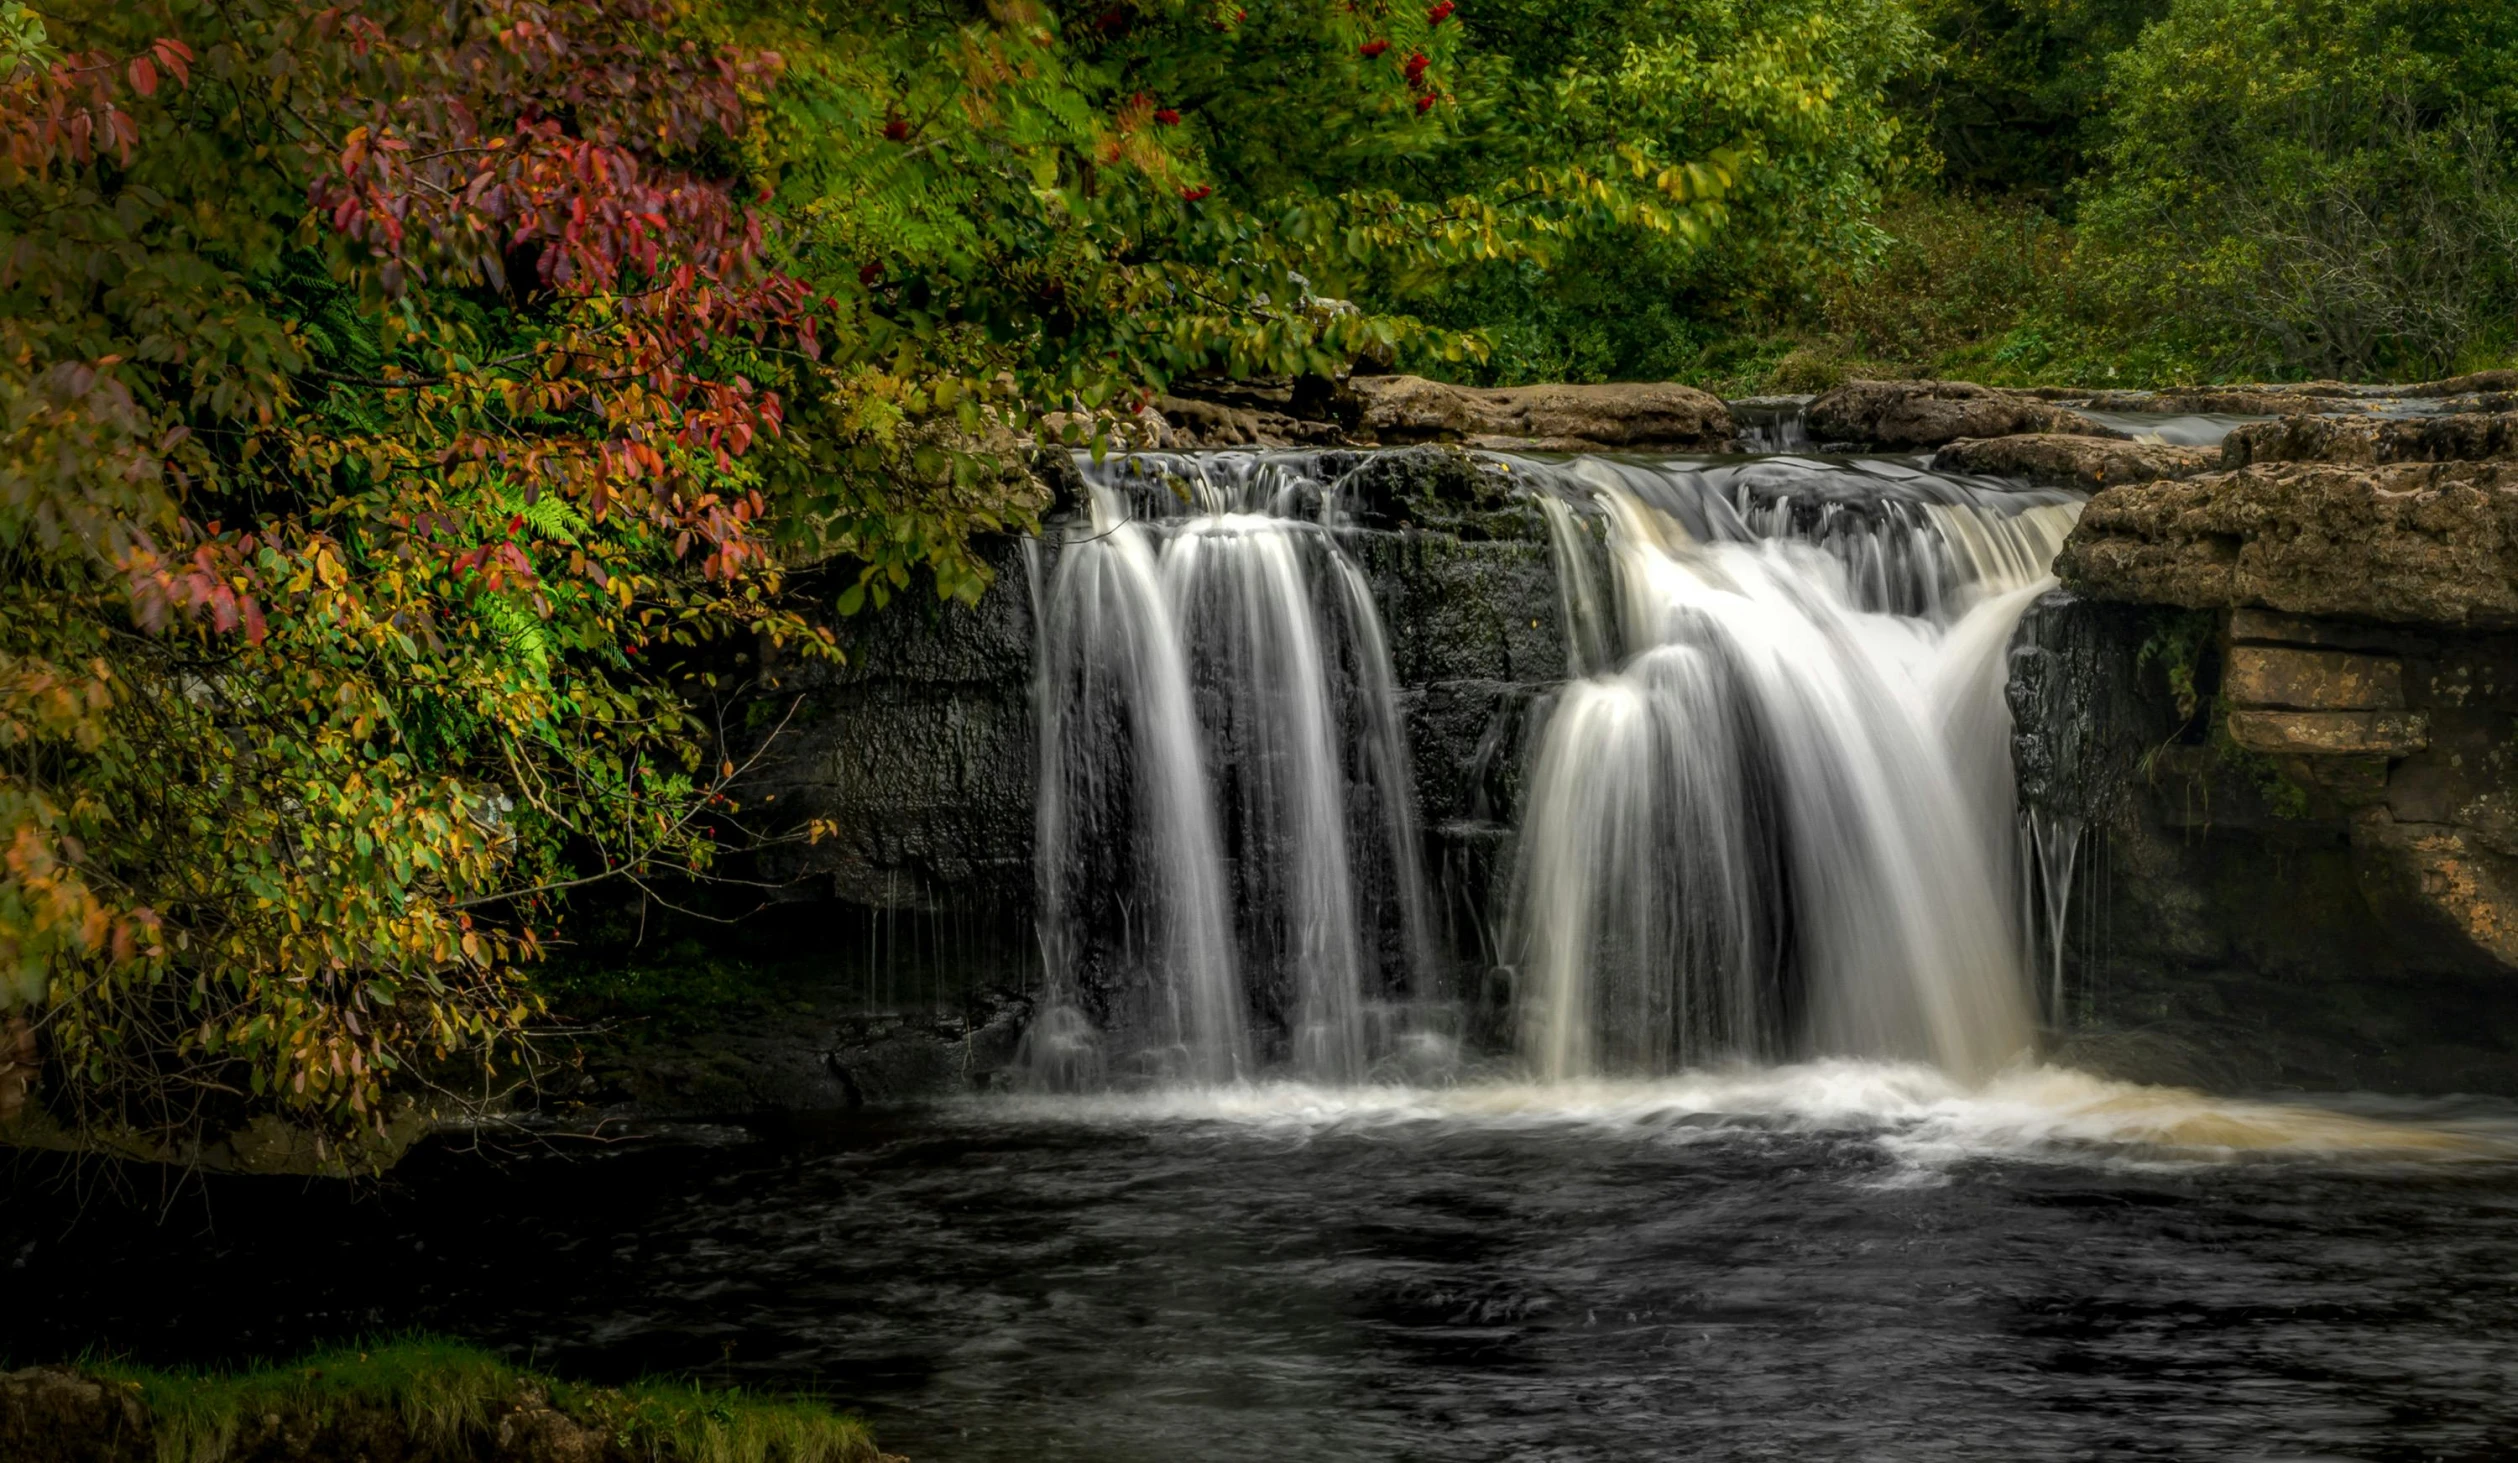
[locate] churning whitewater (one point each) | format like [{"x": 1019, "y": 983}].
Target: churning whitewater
[{"x": 1769, "y": 816}]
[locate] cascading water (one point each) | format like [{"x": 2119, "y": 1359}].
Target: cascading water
[
  {"x": 1783, "y": 825},
  {"x": 1770, "y": 816},
  {"x": 1230, "y": 871}
]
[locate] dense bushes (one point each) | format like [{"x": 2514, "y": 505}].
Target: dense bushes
[
  {"x": 2320, "y": 186},
  {"x": 2233, "y": 189}
]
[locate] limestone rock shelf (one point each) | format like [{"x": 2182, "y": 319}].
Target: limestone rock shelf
[{"x": 2293, "y": 685}]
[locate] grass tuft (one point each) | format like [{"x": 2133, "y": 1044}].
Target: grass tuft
[
  {"x": 670, "y": 1420},
  {"x": 449, "y": 1398}
]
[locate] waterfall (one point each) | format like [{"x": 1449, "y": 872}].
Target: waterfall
[
  {"x": 1230, "y": 874},
  {"x": 1770, "y": 812},
  {"x": 1783, "y": 826}
]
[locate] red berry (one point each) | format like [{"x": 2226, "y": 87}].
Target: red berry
[
  {"x": 1440, "y": 13},
  {"x": 1168, "y": 117},
  {"x": 896, "y": 130},
  {"x": 869, "y": 272},
  {"x": 1416, "y": 68},
  {"x": 1194, "y": 194},
  {"x": 1424, "y": 104},
  {"x": 1370, "y": 49}
]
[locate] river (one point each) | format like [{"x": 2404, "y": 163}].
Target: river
[{"x": 1842, "y": 1260}]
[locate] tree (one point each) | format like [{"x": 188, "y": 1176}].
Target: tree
[
  {"x": 1791, "y": 96},
  {"x": 412, "y": 411},
  {"x": 381, "y": 392},
  {"x": 2014, "y": 97}
]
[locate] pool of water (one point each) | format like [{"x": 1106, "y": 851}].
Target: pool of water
[{"x": 1838, "y": 1261}]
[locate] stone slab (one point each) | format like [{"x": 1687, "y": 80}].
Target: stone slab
[
  {"x": 2331, "y": 733},
  {"x": 2427, "y": 544}
]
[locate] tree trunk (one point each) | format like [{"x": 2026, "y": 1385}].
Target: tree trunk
[{"x": 17, "y": 1064}]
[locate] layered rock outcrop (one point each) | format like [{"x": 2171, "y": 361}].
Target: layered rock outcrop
[
  {"x": 2410, "y": 543},
  {"x": 1662, "y": 415},
  {"x": 2374, "y": 441},
  {"x": 2237, "y": 401},
  {"x": 1363, "y": 411}
]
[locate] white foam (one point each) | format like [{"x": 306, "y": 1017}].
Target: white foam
[{"x": 1917, "y": 1114}]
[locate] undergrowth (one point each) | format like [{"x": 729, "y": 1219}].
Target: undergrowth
[{"x": 448, "y": 1395}]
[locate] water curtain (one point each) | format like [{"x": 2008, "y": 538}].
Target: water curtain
[{"x": 1783, "y": 823}]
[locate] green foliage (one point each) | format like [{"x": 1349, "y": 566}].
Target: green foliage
[
  {"x": 2180, "y": 644},
  {"x": 1980, "y": 288},
  {"x": 1040, "y": 215},
  {"x": 447, "y": 1397},
  {"x": 2315, "y": 186}
]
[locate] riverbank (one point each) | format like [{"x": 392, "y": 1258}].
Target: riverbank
[{"x": 416, "y": 1400}]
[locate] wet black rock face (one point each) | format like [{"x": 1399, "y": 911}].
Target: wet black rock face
[
  {"x": 2081, "y": 723},
  {"x": 2230, "y": 922}
]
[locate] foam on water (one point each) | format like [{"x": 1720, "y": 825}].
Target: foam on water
[{"x": 1917, "y": 1113}]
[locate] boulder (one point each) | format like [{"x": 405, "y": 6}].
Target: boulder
[
  {"x": 56, "y": 1415},
  {"x": 1907, "y": 416},
  {"x": 1189, "y": 423},
  {"x": 2372, "y": 441},
  {"x": 2068, "y": 460},
  {"x": 1649, "y": 414},
  {"x": 2411, "y": 543}
]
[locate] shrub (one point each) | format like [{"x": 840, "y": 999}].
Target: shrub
[{"x": 2315, "y": 186}]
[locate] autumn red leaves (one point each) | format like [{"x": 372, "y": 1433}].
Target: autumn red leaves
[{"x": 1415, "y": 68}]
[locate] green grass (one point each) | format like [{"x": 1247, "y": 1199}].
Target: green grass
[{"x": 447, "y": 1395}]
